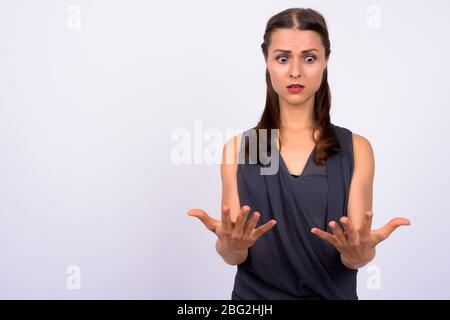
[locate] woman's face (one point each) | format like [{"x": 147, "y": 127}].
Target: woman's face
[{"x": 306, "y": 67}]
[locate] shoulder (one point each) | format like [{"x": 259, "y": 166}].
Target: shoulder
[
  {"x": 362, "y": 148},
  {"x": 363, "y": 155}
]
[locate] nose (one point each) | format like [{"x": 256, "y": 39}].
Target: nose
[{"x": 295, "y": 70}]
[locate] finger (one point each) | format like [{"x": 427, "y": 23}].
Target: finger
[
  {"x": 252, "y": 223},
  {"x": 350, "y": 232},
  {"x": 238, "y": 229},
  {"x": 337, "y": 231},
  {"x": 226, "y": 219},
  {"x": 384, "y": 232},
  {"x": 326, "y": 236},
  {"x": 258, "y": 232},
  {"x": 209, "y": 222},
  {"x": 366, "y": 224}
]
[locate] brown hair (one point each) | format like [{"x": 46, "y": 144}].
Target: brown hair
[{"x": 301, "y": 19}]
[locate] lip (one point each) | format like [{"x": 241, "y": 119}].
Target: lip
[
  {"x": 296, "y": 84},
  {"x": 296, "y": 89}
]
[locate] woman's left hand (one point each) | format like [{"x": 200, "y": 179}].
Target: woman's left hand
[{"x": 357, "y": 246}]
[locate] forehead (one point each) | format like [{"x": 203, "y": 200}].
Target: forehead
[{"x": 295, "y": 40}]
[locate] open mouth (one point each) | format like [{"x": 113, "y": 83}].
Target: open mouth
[{"x": 295, "y": 88}]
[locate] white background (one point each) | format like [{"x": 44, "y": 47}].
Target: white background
[{"x": 87, "y": 114}]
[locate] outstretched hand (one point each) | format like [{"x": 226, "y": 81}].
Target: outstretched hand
[
  {"x": 357, "y": 246},
  {"x": 235, "y": 236}
]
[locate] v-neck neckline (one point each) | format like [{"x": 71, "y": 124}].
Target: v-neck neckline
[{"x": 300, "y": 176}]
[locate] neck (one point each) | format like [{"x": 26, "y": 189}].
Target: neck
[{"x": 297, "y": 117}]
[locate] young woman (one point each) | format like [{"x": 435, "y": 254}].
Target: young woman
[{"x": 317, "y": 208}]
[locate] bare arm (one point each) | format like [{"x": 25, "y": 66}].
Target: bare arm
[
  {"x": 361, "y": 189},
  {"x": 230, "y": 196}
]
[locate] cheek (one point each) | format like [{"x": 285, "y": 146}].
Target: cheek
[
  {"x": 314, "y": 78},
  {"x": 278, "y": 77}
]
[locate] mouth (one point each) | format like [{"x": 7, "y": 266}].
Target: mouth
[
  {"x": 296, "y": 85},
  {"x": 295, "y": 88}
]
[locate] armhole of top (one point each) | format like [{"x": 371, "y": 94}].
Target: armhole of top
[
  {"x": 346, "y": 142},
  {"x": 352, "y": 154},
  {"x": 349, "y": 141},
  {"x": 347, "y": 161}
]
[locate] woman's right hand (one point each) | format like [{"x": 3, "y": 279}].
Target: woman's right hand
[{"x": 234, "y": 236}]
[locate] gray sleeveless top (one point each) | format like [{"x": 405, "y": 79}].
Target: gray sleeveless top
[{"x": 289, "y": 262}]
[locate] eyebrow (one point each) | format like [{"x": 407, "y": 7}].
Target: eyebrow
[{"x": 289, "y": 51}]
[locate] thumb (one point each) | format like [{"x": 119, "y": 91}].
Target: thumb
[
  {"x": 384, "y": 232},
  {"x": 209, "y": 222}
]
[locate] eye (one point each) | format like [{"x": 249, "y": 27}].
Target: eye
[
  {"x": 310, "y": 57},
  {"x": 282, "y": 56}
]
